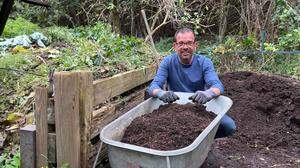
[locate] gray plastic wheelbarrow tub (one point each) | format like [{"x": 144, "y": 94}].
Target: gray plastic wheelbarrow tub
[{"x": 123, "y": 155}]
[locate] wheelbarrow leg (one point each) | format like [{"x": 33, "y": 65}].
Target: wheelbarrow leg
[
  {"x": 96, "y": 160},
  {"x": 168, "y": 162}
]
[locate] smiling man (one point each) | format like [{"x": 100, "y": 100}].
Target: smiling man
[{"x": 185, "y": 71}]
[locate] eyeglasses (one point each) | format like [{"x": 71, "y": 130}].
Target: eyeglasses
[{"x": 189, "y": 43}]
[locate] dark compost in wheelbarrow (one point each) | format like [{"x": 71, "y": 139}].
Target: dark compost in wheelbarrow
[{"x": 170, "y": 127}]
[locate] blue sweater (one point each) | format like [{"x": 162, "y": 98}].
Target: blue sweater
[{"x": 199, "y": 75}]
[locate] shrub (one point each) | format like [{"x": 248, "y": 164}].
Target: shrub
[
  {"x": 290, "y": 41},
  {"x": 19, "y": 26}
]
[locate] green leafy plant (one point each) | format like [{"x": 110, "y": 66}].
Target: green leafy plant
[
  {"x": 282, "y": 64},
  {"x": 287, "y": 20},
  {"x": 60, "y": 34},
  {"x": 286, "y": 17},
  {"x": 291, "y": 40},
  {"x": 115, "y": 49},
  {"x": 232, "y": 44},
  {"x": 19, "y": 26},
  {"x": 10, "y": 158},
  {"x": 250, "y": 43},
  {"x": 165, "y": 45},
  {"x": 17, "y": 80},
  {"x": 270, "y": 47}
]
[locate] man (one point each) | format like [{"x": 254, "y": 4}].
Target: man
[{"x": 185, "y": 71}]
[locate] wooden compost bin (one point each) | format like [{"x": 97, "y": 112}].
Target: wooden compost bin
[{"x": 66, "y": 139}]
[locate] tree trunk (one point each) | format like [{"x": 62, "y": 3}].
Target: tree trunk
[
  {"x": 115, "y": 18},
  {"x": 4, "y": 13},
  {"x": 132, "y": 26},
  {"x": 223, "y": 19}
]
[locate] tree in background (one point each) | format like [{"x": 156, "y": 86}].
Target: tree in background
[{"x": 216, "y": 18}]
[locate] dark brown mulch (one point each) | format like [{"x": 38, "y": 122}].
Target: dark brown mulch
[
  {"x": 170, "y": 127},
  {"x": 266, "y": 110}
]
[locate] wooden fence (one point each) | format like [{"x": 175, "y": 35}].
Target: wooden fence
[{"x": 66, "y": 139}]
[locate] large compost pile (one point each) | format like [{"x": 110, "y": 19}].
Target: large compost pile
[
  {"x": 170, "y": 127},
  {"x": 266, "y": 110}
]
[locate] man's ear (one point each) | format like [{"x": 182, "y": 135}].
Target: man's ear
[
  {"x": 196, "y": 44},
  {"x": 174, "y": 46}
]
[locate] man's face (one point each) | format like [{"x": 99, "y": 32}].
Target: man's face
[{"x": 185, "y": 46}]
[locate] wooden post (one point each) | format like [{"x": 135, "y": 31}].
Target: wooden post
[
  {"x": 115, "y": 18},
  {"x": 41, "y": 102},
  {"x": 67, "y": 119},
  {"x": 85, "y": 113},
  {"x": 28, "y": 143}
]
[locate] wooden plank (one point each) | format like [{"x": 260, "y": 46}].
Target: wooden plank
[
  {"x": 85, "y": 113},
  {"x": 103, "y": 110},
  {"x": 107, "y": 88},
  {"x": 67, "y": 121},
  {"x": 103, "y": 117},
  {"x": 41, "y": 103},
  {"x": 52, "y": 148},
  {"x": 28, "y": 146},
  {"x": 99, "y": 115}
]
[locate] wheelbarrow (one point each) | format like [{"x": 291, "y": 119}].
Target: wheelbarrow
[{"x": 123, "y": 155}]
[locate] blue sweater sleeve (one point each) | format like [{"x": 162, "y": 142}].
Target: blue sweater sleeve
[
  {"x": 210, "y": 77},
  {"x": 161, "y": 76}
]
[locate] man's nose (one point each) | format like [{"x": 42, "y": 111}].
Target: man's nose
[{"x": 185, "y": 47}]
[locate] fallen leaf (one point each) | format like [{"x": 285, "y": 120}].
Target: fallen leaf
[
  {"x": 13, "y": 117},
  {"x": 13, "y": 128},
  {"x": 19, "y": 49}
]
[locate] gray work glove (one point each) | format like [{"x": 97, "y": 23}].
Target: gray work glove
[
  {"x": 167, "y": 96},
  {"x": 202, "y": 97}
]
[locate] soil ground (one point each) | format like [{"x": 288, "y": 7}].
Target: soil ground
[
  {"x": 266, "y": 110},
  {"x": 170, "y": 127}
]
